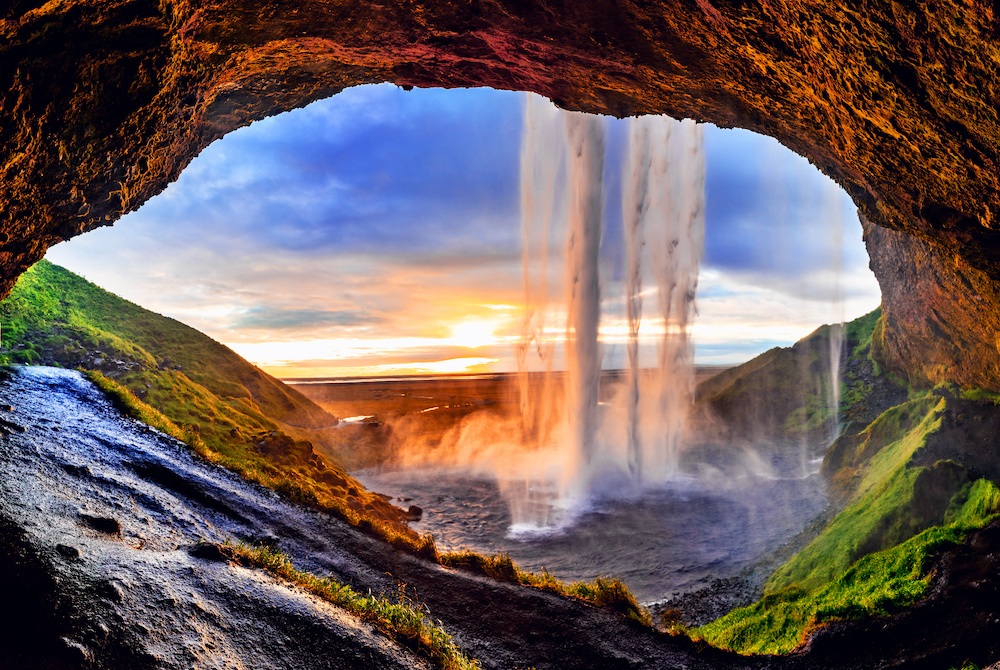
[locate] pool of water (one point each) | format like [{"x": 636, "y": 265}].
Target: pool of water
[{"x": 664, "y": 540}]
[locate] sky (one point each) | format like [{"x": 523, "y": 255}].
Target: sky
[{"x": 378, "y": 232}]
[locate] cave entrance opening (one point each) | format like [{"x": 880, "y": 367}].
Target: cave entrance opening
[
  {"x": 421, "y": 188},
  {"x": 378, "y": 234}
]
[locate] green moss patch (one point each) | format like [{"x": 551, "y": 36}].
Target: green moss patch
[
  {"x": 400, "y": 621},
  {"x": 880, "y": 583},
  {"x": 889, "y": 501}
]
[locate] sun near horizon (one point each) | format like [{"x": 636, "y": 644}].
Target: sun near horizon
[{"x": 312, "y": 258}]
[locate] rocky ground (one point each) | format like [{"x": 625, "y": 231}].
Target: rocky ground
[
  {"x": 722, "y": 596},
  {"x": 99, "y": 517}
]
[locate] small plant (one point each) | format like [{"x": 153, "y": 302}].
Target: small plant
[
  {"x": 670, "y": 623},
  {"x": 499, "y": 567},
  {"x": 400, "y": 621},
  {"x": 609, "y": 592}
]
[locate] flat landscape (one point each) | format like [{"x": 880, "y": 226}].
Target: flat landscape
[
  {"x": 450, "y": 396},
  {"x": 391, "y": 413}
]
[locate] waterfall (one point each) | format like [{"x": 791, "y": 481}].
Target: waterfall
[
  {"x": 663, "y": 208},
  {"x": 635, "y": 201},
  {"x": 837, "y": 301},
  {"x": 542, "y": 161},
  {"x": 585, "y": 144},
  {"x": 663, "y": 202},
  {"x": 676, "y": 259}
]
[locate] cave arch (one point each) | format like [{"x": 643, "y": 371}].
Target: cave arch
[{"x": 104, "y": 103}]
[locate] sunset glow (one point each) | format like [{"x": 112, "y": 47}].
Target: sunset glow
[
  {"x": 310, "y": 257},
  {"x": 451, "y": 366},
  {"x": 474, "y": 333}
]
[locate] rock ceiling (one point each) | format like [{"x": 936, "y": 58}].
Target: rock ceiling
[{"x": 106, "y": 101}]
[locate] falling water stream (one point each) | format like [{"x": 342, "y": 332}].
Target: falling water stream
[
  {"x": 663, "y": 219},
  {"x": 591, "y": 476}
]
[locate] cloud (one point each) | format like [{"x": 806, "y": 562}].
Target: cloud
[
  {"x": 388, "y": 215},
  {"x": 276, "y": 318},
  {"x": 770, "y": 212},
  {"x": 374, "y": 169}
]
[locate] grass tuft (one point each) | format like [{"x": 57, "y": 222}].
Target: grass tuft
[
  {"x": 400, "y": 621},
  {"x": 610, "y": 592}
]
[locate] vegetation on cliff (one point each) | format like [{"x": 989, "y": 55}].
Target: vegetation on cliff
[
  {"x": 880, "y": 583},
  {"x": 891, "y": 498},
  {"x": 906, "y": 486},
  {"x": 610, "y": 592},
  {"x": 192, "y": 387},
  {"x": 784, "y": 394},
  {"x": 401, "y": 621}
]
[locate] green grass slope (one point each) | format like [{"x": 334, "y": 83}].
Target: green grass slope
[
  {"x": 909, "y": 483},
  {"x": 880, "y": 583},
  {"x": 783, "y": 394},
  {"x": 230, "y": 410},
  {"x": 788, "y": 392},
  {"x": 56, "y": 314}
]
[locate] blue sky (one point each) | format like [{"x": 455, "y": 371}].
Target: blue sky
[{"x": 381, "y": 227}]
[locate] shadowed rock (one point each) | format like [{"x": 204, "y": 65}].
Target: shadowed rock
[
  {"x": 104, "y": 524},
  {"x": 213, "y": 551}
]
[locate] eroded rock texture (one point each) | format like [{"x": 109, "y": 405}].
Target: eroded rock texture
[
  {"x": 105, "y": 101},
  {"x": 941, "y": 317}
]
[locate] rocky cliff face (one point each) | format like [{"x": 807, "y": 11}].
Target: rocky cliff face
[
  {"x": 941, "y": 321},
  {"x": 105, "y": 101}
]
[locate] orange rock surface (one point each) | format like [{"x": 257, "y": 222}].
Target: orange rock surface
[{"x": 104, "y": 102}]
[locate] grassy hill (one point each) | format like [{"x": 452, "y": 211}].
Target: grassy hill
[
  {"x": 787, "y": 393},
  {"x": 56, "y": 317},
  {"x": 229, "y": 409},
  {"x": 910, "y": 474}
]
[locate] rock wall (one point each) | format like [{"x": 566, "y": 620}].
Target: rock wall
[
  {"x": 941, "y": 318},
  {"x": 105, "y": 101}
]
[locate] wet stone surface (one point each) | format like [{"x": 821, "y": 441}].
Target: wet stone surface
[
  {"x": 104, "y": 553},
  {"x": 139, "y": 598}
]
